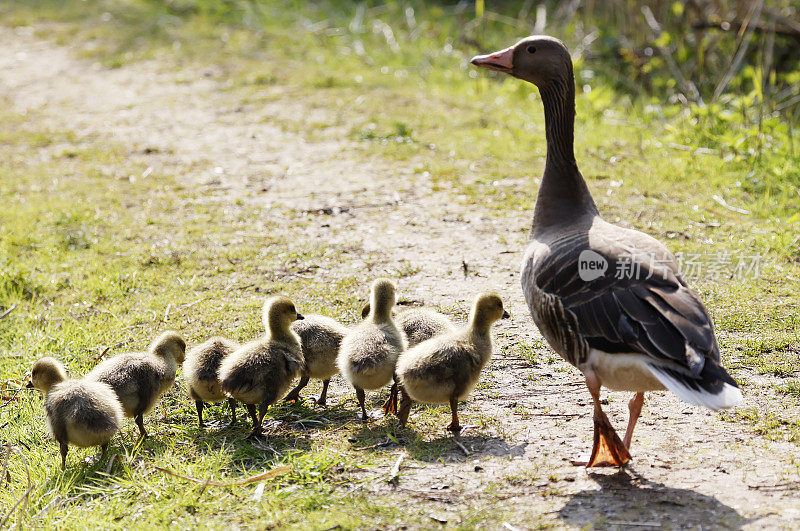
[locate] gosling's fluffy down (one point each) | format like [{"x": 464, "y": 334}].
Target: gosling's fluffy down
[
  {"x": 260, "y": 372},
  {"x": 79, "y": 412},
  {"x": 320, "y": 339},
  {"x": 418, "y": 324},
  {"x": 140, "y": 378},
  {"x": 369, "y": 352},
  {"x": 421, "y": 324},
  {"x": 201, "y": 374},
  {"x": 444, "y": 369}
]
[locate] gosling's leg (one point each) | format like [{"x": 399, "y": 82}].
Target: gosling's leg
[
  {"x": 404, "y": 407},
  {"x": 454, "y": 426},
  {"x": 360, "y": 396},
  {"x": 634, "y": 409},
  {"x": 103, "y": 449},
  {"x": 251, "y": 409},
  {"x": 140, "y": 422},
  {"x": 232, "y": 407},
  {"x": 64, "y": 449},
  {"x": 294, "y": 394},
  {"x": 262, "y": 410},
  {"x": 323, "y": 396},
  {"x": 390, "y": 406},
  {"x": 198, "y": 404}
]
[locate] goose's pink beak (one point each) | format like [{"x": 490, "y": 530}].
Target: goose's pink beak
[{"x": 502, "y": 61}]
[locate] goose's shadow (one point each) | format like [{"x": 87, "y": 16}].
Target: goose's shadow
[{"x": 626, "y": 499}]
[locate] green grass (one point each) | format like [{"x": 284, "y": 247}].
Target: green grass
[{"x": 95, "y": 259}]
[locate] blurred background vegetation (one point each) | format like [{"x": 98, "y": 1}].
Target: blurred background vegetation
[
  {"x": 697, "y": 101},
  {"x": 731, "y": 66},
  {"x": 717, "y": 54}
]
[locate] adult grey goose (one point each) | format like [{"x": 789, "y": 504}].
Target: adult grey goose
[{"x": 630, "y": 324}]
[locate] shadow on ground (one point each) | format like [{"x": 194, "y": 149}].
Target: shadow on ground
[
  {"x": 626, "y": 499},
  {"x": 389, "y": 437}
]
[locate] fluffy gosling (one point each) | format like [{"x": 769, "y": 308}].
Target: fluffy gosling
[
  {"x": 140, "y": 378},
  {"x": 369, "y": 352},
  {"x": 201, "y": 374},
  {"x": 418, "y": 324},
  {"x": 260, "y": 372},
  {"x": 320, "y": 338},
  {"x": 446, "y": 368},
  {"x": 81, "y": 413}
]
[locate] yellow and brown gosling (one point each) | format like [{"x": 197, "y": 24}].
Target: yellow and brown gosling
[
  {"x": 140, "y": 378},
  {"x": 445, "y": 368},
  {"x": 320, "y": 338},
  {"x": 260, "y": 372},
  {"x": 418, "y": 324},
  {"x": 79, "y": 412},
  {"x": 201, "y": 374},
  {"x": 370, "y": 350}
]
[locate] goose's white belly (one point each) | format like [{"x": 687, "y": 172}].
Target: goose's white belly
[{"x": 622, "y": 372}]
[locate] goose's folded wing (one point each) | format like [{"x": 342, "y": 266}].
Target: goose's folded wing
[{"x": 639, "y": 303}]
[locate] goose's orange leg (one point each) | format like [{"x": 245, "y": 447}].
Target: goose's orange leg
[
  {"x": 635, "y": 409},
  {"x": 608, "y": 449}
]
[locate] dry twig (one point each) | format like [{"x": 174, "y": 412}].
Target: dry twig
[
  {"x": 266, "y": 475},
  {"x": 395, "y": 471},
  {"x": 26, "y": 496},
  {"x": 463, "y": 448},
  {"x": 10, "y": 309}
]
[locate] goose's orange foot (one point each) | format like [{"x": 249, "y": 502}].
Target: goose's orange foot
[{"x": 608, "y": 449}]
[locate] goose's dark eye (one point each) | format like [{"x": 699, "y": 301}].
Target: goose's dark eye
[{"x": 531, "y": 49}]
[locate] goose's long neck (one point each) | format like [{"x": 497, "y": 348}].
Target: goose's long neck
[{"x": 563, "y": 194}]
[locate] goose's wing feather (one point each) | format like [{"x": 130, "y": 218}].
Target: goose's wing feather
[
  {"x": 633, "y": 301},
  {"x": 638, "y": 304}
]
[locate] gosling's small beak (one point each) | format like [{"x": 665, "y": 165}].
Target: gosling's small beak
[
  {"x": 506, "y": 315},
  {"x": 29, "y": 385},
  {"x": 300, "y": 317},
  {"x": 502, "y": 61}
]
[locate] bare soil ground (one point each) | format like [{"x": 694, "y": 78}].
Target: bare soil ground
[{"x": 690, "y": 467}]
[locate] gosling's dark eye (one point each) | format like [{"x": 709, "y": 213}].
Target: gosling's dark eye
[{"x": 531, "y": 49}]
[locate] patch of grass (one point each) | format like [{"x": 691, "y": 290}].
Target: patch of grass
[
  {"x": 791, "y": 388},
  {"x": 773, "y": 425},
  {"x": 773, "y": 355},
  {"x": 93, "y": 262}
]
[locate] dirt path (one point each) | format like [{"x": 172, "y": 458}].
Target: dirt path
[{"x": 690, "y": 467}]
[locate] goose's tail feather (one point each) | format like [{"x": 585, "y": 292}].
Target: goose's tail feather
[{"x": 712, "y": 388}]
